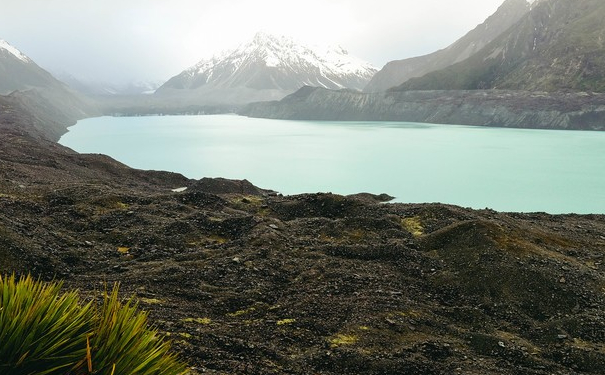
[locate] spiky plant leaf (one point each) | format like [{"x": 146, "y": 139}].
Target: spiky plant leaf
[
  {"x": 124, "y": 343},
  {"x": 44, "y": 332},
  {"x": 41, "y": 331}
]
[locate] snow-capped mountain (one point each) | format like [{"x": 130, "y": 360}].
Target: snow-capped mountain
[
  {"x": 276, "y": 63},
  {"x": 30, "y": 88},
  {"x": 6, "y": 48},
  {"x": 19, "y": 72}
]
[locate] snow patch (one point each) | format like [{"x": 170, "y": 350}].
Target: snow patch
[
  {"x": 272, "y": 61},
  {"x": 4, "y": 45}
]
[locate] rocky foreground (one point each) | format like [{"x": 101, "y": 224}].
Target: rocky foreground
[{"x": 246, "y": 281}]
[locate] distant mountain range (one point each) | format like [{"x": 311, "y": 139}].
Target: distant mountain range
[
  {"x": 397, "y": 72},
  {"x": 544, "y": 71},
  {"x": 268, "y": 67},
  {"x": 542, "y": 47}
]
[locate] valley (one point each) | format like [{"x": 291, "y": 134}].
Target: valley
[{"x": 246, "y": 280}]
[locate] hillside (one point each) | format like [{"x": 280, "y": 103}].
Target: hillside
[
  {"x": 397, "y": 72},
  {"x": 558, "y": 45},
  {"x": 19, "y": 72},
  {"x": 50, "y": 103},
  {"x": 246, "y": 281}
]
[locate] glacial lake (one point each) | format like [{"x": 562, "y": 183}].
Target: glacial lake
[{"x": 503, "y": 169}]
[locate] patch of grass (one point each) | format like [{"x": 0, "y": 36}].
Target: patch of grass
[
  {"x": 107, "y": 204},
  {"x": 285, "y": 322},
  {"x": 121, "y": 205},
  {"x": 413, "y": 225},
  {"x": 242, "y": 312},
  {"x": 347, "y": 236},
  {"x": 342, "y": 339},
  {"x": 123, "y": 250},
  {"x": 217, "y": 239},
  {"x": 356, "y": 235},
  {"x": 204, "y": 321},
  {"x": 151, "y": 301},
  {"x": 249, "y": 203}
]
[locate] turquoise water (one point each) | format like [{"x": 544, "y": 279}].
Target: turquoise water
[{"x": 503, "y": 169}]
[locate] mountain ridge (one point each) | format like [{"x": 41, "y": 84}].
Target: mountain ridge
[
  {"x": 30, "y": 88},
  {"x": 492, "y": 108},
  {"x": 397, "y": 72},
  {"x": 273, "y": 66},
  {"x": 547, "y": 71},
  {"x": 558, "y": 45},
  {"x": 19, "y": 72}
]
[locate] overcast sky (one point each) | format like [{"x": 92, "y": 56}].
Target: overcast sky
[{"x": 126, "y": 40}]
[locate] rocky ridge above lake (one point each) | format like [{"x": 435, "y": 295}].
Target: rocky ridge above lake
[{"x": 500, "y": 108}]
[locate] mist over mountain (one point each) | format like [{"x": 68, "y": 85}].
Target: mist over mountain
[
  {"x": 558, "y": 45},
  {"x": 100, "y": 88},
  {"x": 397, "y": 72},
  {"x": 268, "y": 67}
]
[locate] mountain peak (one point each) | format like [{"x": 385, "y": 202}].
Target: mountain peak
[
  {"x": 6, "y": 46},
  {"x": 265, "y": 38},
  {"x": 276, "y": 62}
]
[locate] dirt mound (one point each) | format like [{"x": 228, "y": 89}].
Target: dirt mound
[{"x": 225, "y": 186}]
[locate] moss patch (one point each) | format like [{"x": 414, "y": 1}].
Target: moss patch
[
  {"x": 341, "y": 339},
  {"x": 203, "y": 321},
  {"x": 413, "y": 225}
]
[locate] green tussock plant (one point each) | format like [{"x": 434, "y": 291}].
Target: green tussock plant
[
  {"x": 44, "y": 332},
  {"x": 123, "y": 343},
  {"x": 41, "y": 331}
]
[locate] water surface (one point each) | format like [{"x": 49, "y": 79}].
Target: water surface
[{"x": 504, "y": 169}]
